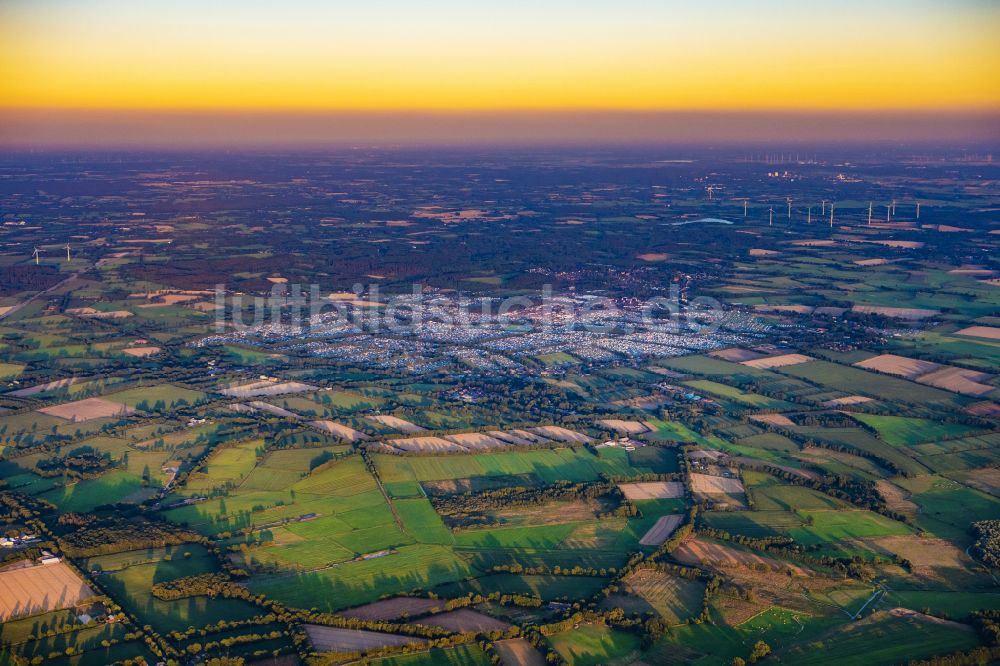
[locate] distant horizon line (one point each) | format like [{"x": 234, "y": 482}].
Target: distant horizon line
[
  {"x": 47, "y": 127},
  {"x": 6, "y": 109}
]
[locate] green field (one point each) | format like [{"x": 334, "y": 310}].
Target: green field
[
  {"x": 857, "y": 440},
  {"x": 672, "y": 431},
  {"x": 830, "y": 526},
  {"x": 548, "y": 465},
  {"x": 461, "y": 655},
  {"x": 769, "y": 494},
  {"x": 130, "y": 577},
  {"x": 547, "y": 587},
  {"x": 905, "y": 431},
  {"x": 410, "y": 568},
  {"x": 946, "y": 603},
  {"x": 10, "y": 370},
  {"x": 422, "y": 521},
  {"x": 595, "y": 645},
  {"x": 735, "y": 395},
  {"x": 884, "y": 639},
  {"x": 754, "y": 523},
  {"x": 87, "y": 494},
  {"x": 155, "y": 397},
  {"x": 852, "y": 380},
  {"x": 947, "y": 506}
]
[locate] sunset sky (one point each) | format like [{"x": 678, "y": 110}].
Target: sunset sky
[{"x": 96, "y": 57}]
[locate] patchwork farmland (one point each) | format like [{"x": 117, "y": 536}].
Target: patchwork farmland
[{"x": 813, "y": 465}]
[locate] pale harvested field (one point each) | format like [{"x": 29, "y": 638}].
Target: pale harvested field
[
  {"x": 696, "y": 551},
  {"x": 391, "y": 609},
  {"x": 476, "y": 440},
  {"x": 644, "y": 401},
  {"x": 266, "y": 387},
  {"x": 973, "y": 272},
  {"x": 205, "y": 306},
  {"x": 872, "y": 262},
  {"x": 847, "y": 400},
  {"x": 715, "y": 485},
  {"x": 761, "y": 252},
  {"x": 518, "y": 652},
  {"x": 702, "y": 454},
  {"x": 562, "y": 434},
  {"x": 804, "y": 473},
  {"x": 984, "y": 409},
  {"x": 814, "y": 242},
  {"x": 350, "y": 298},
  {"x": 41, "y": 588},
  {"x": 666, "y": 372},
  {"x": 794, "y": 309},
  {"x": 42, "y": 388},
  {"x": 922, "y": 551},
  {"x": 335, "y": 639},
  {"x": 627, "y": 427},
  {"x": 896, "y": 498},
  {"x": 818, "y": 456},
  {"x": 778, "y": 361},
  {"x": 529, "y": 436},
  {"x": 509, "y": 438},
  {"x": 988, "y": 332},
  {"x": 141, "y": 352},
  {"x": 425, "y": 444},
  {"x": 652, "y": 256},
  {"x": 259, "y": 405},
  {"x": 959, "y": 380},
  {"x": 664, "y": 592},
  {"x": 395, "y": 422},
  {"x": 339, "y": 430},
  {"x": 87, "y": 409},
  {"x": 662, "y": 530},
  {"x": 898, "y": 313},
  {"x": 652, "y": 490},
  {"x": 99, "y": 314},
  {"x": 773, "y": 419},
  {"x": 735, "y": 354},
  {"x": 987, "y": 480},
  {"x": 463, "y": 620},
  {"x": 891, "y": 364},
  {"x": 172, "y": 297},
  {"x": 906, "y": 245}
]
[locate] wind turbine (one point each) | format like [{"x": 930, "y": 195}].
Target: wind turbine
[
  {"x": 710, "y": 188},
  {"x": 831, "y": 215},
  {"x": 746, "y": 201},
  {"x": 918, "y": 210},
  {"x": 67, "y": 252},
  {"x": 789, "y": 202},
  {"x": 888, "y": 213},
  {"x": 770, "y": 219},
  {"x": 893, "y": 206},
  {"x": 36, "y": 253},
  {"x": 809, "y": 216},
  {"x": 869, "y": 213},
  {"x": 824, "y": 206}
]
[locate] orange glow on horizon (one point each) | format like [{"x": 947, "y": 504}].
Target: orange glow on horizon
[
  {"x": 884, "y": 55},
  {"x": 83, "y": 59}
]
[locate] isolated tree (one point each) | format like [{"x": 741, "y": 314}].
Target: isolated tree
[{"x": 760, "y": 650}]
